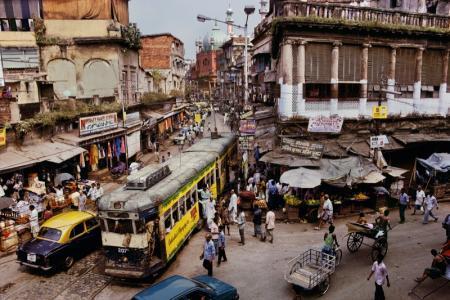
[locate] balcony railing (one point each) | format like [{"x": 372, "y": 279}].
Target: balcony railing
[{"x": 359, "y": 14}]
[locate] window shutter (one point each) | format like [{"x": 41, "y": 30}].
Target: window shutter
[
  {"x": 349, "y": 63},
  {"x": 318, "y": 63},
  {"x": 378, "y": 64},
  {"x": 405, "y": 66},
  {"x": 431, "y": 67}
]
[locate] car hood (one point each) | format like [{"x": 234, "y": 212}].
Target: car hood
[
  {"x": 218, "y": 286},
  {"x": 38, "y": 246}
]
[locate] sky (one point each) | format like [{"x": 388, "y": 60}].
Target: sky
[{"x": 179, "y": 17}]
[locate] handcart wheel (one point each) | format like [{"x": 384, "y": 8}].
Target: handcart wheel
[
  {"x": 354, "y": 241},
  {"x": 379, "y": 247},
  {"x": 324, "y": 285}
]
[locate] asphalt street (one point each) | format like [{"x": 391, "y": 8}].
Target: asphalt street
[{"x": 256, "y": 269}]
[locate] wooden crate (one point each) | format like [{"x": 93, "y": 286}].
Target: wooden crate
[{"x": 292, "y": 212}]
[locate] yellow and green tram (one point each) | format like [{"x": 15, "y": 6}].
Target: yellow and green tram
[{"x": 146, "y": 222}]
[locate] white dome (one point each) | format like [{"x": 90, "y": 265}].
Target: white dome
[{"x": 215, "y": 39}]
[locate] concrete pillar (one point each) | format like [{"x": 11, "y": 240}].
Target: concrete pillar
[
  {"x": 418, "y": 80},
  {"x": 334, "y": 78},
  {"x": 391, "y": 78},
  {"x": 286, "y": 99},
  {"x": 443, "y": 108},
  {"x": 301, "y": 77},
  {"x": 363, "y": 80}
]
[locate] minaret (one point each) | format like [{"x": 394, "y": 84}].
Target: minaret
[
  {"x": 198, "y": 45},
  {"x": 264, "y": 8},
  {"x": 229, "y": 21}
]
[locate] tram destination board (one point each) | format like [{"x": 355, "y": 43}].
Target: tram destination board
[{"x": 302, "y": 148}]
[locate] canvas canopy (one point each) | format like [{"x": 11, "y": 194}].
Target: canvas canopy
[
  {"x": 349, "y": 171},
  {"x": 437, "y": 162},
  {"x": 301, "y": 178}
]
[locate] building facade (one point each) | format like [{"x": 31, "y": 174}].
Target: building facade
[
  {"x": 78, "y": 49},
  {"x": 162, "y": 55},
  {"x": 341, "y": 59}
]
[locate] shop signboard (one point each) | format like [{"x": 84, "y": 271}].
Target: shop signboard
[
  {"x": 323, "y": 124},
  {"x": 379, "y": 112},
  {"x": 246, "y": 142},
  {"x": 134, "y": 143},
  {"x": 2, "y": 136},
  {"x": 378, "y": 141},
  {"x": 132, "y": 119},
  {"x": 302, "y": 148},
  {"x": 247, "y": 127},
  {"x": 95, "y": 124}
]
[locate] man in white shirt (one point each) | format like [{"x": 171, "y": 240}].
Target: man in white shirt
[
  {"x": 241, "y": 226},
  {"x": 99, "y": 192},
  {"x": 270, "y": 224},
  {"x": 34, "y": 221},
  {"x": 381, "y": 274},
  {"x": 327, "y": 213},
  {"x": 429, "y": 204},
  {"x": 420, "y": 197},
  {"x": 232, "y": 207}
]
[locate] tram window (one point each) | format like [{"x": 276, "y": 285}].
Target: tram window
[
  {"x": 189, "y": 200},
  {"x": 175, "y": 216},
  {"x": 182, "y": 205},
  {"x": 168, "y": 222}
]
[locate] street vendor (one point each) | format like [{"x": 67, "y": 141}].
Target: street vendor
[
  {"x": 438, "y": 267},
  {"x": 34, "y": 220}
]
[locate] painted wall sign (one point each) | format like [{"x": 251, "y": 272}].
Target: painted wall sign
[
  {"x": 302, "y": 148},
  {"x": 325, "y": 124},
  {"x": 95, "y": 124}
]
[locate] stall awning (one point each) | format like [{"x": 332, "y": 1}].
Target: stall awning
[
  {"x": 283, "y": 159},
  {"x": 72, "y": 138},
  {"x": 355, "y": 145},
  {"x": 439, "y": 162},
  {"x": 394, "y": 171},
  {"x": 28, "y": 155},
  {"x": 333, "y": 149},
  {"x": 412, "y": 138},
  {"x": 153, "y": 115}
]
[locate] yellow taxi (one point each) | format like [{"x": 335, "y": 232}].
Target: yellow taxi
[{"x": 61, "y": 239}]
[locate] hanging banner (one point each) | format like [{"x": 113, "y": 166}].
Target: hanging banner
[
  {"x": 94, "y": 124},
  {"x": 379, "y": 112},
  {"x": 323, "y": 124},
  {"x": 378, "y": 141},
  {"x": 247, "y": 127},
  {"x": 2, "y": 136},
  {"x": 302, "y": 148}
]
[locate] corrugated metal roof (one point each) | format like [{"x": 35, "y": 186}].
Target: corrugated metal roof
[{"x": 28, "y": 155}]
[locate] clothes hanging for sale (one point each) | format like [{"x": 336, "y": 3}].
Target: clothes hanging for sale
[
  {"x": 82, "y": 162},
  {"x": 93, "y": 153},
  {"x": 117, "y": 143},
  {"x": 122, "y": 146}
]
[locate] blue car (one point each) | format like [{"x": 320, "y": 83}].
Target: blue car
[{"x": 181, "y": 288}]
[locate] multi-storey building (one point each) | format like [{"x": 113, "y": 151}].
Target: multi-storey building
[
  {"x": 70, "y": 49},
  {"x": 163, "y": 56},
  {"x": 338, "y": 58}
]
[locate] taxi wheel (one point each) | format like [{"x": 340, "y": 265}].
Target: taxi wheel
[{"x": 68, "y": 262}]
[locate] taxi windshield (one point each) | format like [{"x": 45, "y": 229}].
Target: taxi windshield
[{"x": 50, "y": 234}]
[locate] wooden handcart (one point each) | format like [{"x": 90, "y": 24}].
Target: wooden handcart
[{"x": 357, "y": 233}]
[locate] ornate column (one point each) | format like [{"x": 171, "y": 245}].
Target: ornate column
[
  {"x": 334, "y": 78},
  {"x": 363, "y": 80},
  {"x": 285, "y": 103},
  {"x": 418, "y": 80},
  {"x": 443, "y": 87},
  {"x": 391, "y": 76},
  {"x": 300, "y": 77}
]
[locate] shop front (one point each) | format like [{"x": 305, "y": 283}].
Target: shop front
[{"x": 104, "y": 141}]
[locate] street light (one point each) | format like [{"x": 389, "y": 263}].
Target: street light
[{"x": 248, "y": 9}]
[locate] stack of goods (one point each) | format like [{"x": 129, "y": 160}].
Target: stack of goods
[
  {"x": 292, "y": 200},
  {"x": 261, "y": 203},
  {"x": 8, "y": 239},
  {"x": 361, "y": 197},
  {"x": 312, "y": 202}
]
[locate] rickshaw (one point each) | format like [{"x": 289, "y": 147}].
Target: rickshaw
[
  {"x": 311, "y": 270},
  {"x": 357, "y": 232}
]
